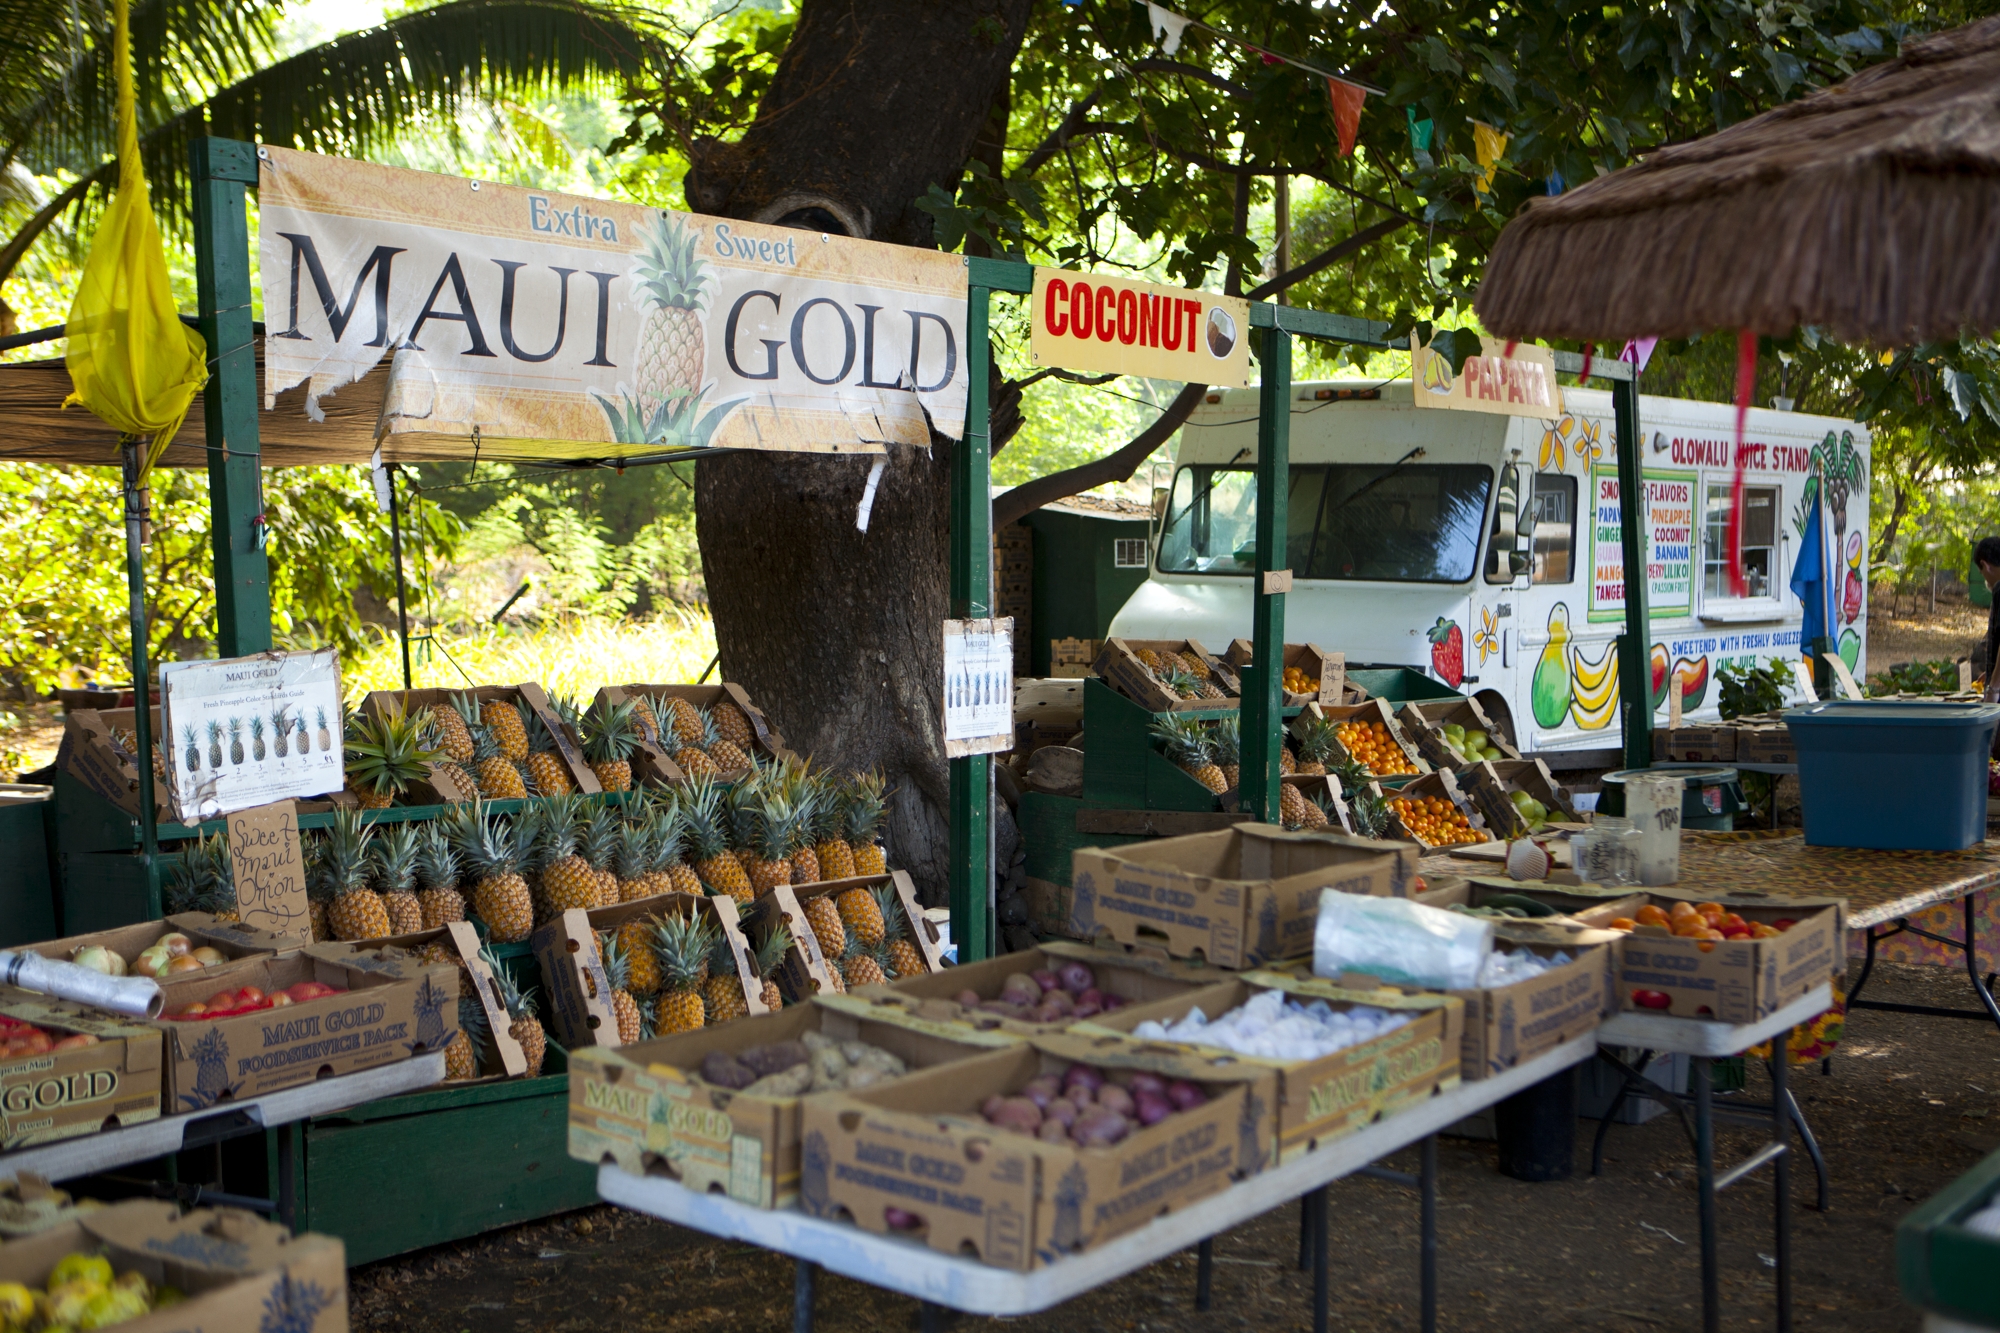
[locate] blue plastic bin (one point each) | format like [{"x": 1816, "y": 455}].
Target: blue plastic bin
[{"x": 1897, "y": 776}]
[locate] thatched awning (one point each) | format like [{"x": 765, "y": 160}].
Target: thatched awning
[{"x": 1870, "y": 209}]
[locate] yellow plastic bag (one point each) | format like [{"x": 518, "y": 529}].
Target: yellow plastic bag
[{"x": 131, "y": 360}]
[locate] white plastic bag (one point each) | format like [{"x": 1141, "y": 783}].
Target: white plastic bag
[
  {"x": 1398, "y": 940},
  {"x": 137, "y": 996}
]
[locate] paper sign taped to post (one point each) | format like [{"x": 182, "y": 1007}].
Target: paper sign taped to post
[
  {"x": 269, "y": 871},
  {"x": 978, "y": 686},
  {"x": 247, "y": 731}
]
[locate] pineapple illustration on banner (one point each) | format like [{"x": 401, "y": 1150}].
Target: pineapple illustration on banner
[{"x": 577, "y": 327}]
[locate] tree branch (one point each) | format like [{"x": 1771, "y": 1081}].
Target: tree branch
[
  {"x": 1153, "y": 65},
  {"x": 12, "y": 253},
  {"x": 1326, "y": 258},
  {"x": 1059, "y": 137},
  {"x": 1024, "y": 499}
]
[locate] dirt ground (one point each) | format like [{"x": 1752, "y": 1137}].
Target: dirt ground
[
  {"x": 1911, "y": 1103},
  {"x": 1921, "y": 636}
]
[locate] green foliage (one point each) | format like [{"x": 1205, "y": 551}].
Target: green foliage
[
  {"x": 1940, "y": 677},
  {"x": 1758, "y": 690}
]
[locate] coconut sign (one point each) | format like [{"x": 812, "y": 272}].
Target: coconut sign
[
  {"x": 1090, "y": 322},
  {"x": 546, "y": 324}
]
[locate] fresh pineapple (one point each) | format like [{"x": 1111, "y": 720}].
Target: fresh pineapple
[
  {"x": 714, "y": 862},
  {"x": 860, "y": 966},
  {"x": 617, "y": 975},
  {"x": 609, "y": 737},
  {"x": 671, "y": 279},
  {"x": 836, "y": 858},
  {"x": 642, "y": 965},
  {"x": 1225, "y": 741},
  {"x": 647, "y": 720},
  {"x": 461, "y": 1058},
  {"x": 598, "y": 843},
  {"x": 683, "y": 945},
  {"x": 524, "y": 1028},
  {"x": 727, "y": 756},
  {"x": 864, "y": 822},
  {"x": 683, "y": 721},
  {"x": 722, "y": 993},
  {"x": 439, "y": 902},
  {"x": 508, "y": 730},
  {"x": 1316, "y": 749},
  {"x": 668, "y": 837},
  {"x": 546, "y": 771},
  {"x": 567, "y": 880},
  {"x": 319, "y": 888},
  {"x": 806, "y": 797},
  {"x": 396, "y": 853},
  {"x": 454, "y": 733},
  {"x": 734, "y": 724},
  {"x": 632, "y": 862},
  {"x": 202, "y": 880},
  {"x": 493, "y": 851},
  {"x": 497, "y": 777},
  {"x": 767, "y": 958},
  {"x": 823, "y": 919},
  {"x": 356, "y": 911},
  {"x": 774, "y": 827},
  {"x": 903, "y": 958},
  {"x": 860, "y": 913},
  {"x": 1187, "y": 745},
  {"x": 1296, "y": 811}
]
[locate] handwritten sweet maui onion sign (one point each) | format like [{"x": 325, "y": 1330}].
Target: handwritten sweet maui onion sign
[
  {"x": 1086, "y": 321},
  {"x": 269, "y": 871},
  {"x": 1520, "y": 383}
]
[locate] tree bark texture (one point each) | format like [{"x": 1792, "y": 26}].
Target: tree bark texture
[{"x": 833, "y": 631}]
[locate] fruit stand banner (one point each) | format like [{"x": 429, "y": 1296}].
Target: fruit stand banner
[
  {"x": 1090, "y": 322},
  {"x": 1520, "y": 383},
  {"x": 533, "y": 324}
]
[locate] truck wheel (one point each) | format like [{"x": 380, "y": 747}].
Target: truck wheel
[{"x": 1500, "y": 715}]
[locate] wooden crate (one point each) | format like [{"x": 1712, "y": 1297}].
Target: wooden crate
[
  {"x": 1119, "y": 666},
  {"x": 1328, "y": 668}
]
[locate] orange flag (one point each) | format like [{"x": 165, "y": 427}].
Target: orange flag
[{"x": 1347, "y": 101}]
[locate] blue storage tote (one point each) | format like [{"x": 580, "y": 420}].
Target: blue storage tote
[{"x": 1892, "y": 775}]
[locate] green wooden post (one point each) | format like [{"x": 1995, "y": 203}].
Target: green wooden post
[
  {"x": 1635, "y": 658},
  {"x": 971, "y": 882},
  {"x": 1263, "y": 705},
  {"x": 221, "y": 170}
]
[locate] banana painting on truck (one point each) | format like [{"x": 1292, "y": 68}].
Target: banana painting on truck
[{"x": 1486, "y": 550}]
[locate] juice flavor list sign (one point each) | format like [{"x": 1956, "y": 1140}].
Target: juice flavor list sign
[
  {"x": 269, "y": 872},
  {"x": 1669, "y": 538},
  {"x": 978, "y": 686},
  {"x": 249, "y": 731}
]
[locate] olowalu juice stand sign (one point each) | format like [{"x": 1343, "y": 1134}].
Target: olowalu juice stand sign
[{"x": 563, "y": 325}]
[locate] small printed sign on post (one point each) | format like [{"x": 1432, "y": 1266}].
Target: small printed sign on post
[
  {"x": 247, "y": 731},
  {"x": 978, "y": 686},
  {"x": 269, "y": 871}
]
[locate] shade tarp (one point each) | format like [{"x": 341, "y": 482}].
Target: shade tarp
[{"x": 1868, "y": 209}]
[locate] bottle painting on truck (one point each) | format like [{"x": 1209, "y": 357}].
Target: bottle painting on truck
[{"x": 1485, "y": 551}]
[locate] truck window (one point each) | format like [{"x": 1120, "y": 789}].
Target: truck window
[
  {"x": 1760, "y": 541},
  {"x": 1555, "y": 528},
  {"x": 1408, "y": 523}
]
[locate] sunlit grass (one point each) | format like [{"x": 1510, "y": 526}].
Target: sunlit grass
[{"x": 567, "y": 657}]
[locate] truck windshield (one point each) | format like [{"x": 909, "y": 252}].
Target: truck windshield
[{"x": 1413, "y": 523}]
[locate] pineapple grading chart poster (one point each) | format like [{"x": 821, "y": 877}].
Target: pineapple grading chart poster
[
  {"x": 547, "y": 325},
  {"x": 248, "y": 731}
]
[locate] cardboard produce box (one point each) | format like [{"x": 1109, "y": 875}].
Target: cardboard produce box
[
  {"x": 1577, "y": 907},
  {"x": 654, "y": 759},
  {"x": 1714, "y": 741},
  {"x": 1733, "y": 981},
  {"x": 1366, "y": 711},
  {"x": 931, "y": 1003},
  {"x": 1489, "y": 782},
  {"x": 1764, "y": 743},
  {"x": 1070, "y": 659},
  {"x": 645, "y": 1107},
  {"x": 382, "y": 703},
  {"x": 64, "y": 1094},
  {"x": 920, "y": 1145},
  {"x": 1237, "y": 897},
  {"x": 206, "y": 930},
  {"x": 1444, "y": 785},
  {"x": 579, "y": 996},
  {"x": 1424, "y": 721},
  {"x": 96, "y": 752},
  {"x": 391, "y": 1006},
  {"x": 1119, "y": 666},
  {"x": 1328, "y": 670},
  {"x": 920, "y": 932},
  {"x": 240, "y": 1273},
  {"x": 1325, "y": 1098}
]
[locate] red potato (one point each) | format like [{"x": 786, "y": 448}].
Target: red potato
[
  {"x": 1059, "y": 1000},
  {"x": 1090, "y": 995},
  {"x": 1060, "y": 1112},
  {"x": 991, "y": 1106},
  {"x": 1082, "y": 1076},
  {"x": 1047, "y": 979},
  {"x": 1048, "y": 1013},
  {"x": 1053, "y": 1131},
  {"x": 1114, "y": 1098},
  {"x": 1076, "y": 977},
  {"x": 1018, "y": 1114},
  {"x": 1042, "y": 1091},
  {"x": 901, "y": 1219},
  {"x": 1143, "y": 1082}
]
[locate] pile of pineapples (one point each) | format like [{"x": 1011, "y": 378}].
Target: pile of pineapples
[{"x": 1186, "y": 674}]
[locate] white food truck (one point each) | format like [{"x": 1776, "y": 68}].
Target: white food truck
[{"x": 1409, "y": 547}]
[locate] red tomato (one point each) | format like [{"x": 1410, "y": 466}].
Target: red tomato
[
  {"x": 1784, "y": 923},
  {"x": 222, "y": 999},
  {"x": 1652, "y": 999},
  {"x": 1736, "y": 932},
  {"x": 74, "y": 1041}
]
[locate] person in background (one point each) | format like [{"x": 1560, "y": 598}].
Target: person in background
[{"x": 1987, "y": 557}]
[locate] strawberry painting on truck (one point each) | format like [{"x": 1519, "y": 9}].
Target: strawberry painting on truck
[{"x": 1406, "y": 525}]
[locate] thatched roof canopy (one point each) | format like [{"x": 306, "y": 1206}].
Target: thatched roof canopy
[{"x": 1870, "y": 209}]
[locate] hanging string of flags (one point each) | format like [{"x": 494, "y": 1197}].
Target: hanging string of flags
[{"x": 1346, "y": 95}]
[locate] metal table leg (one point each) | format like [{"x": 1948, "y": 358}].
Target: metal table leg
[
  {"x": 287, "y": 1184},
  {"x": 1811, "y": 1143},
  {"x": 1969, "y": 946},
  {"x": 1781, "y": 1179},
  {"x": 1704, "y": 1159},
  {"x": 1305, "y": 1232},
  {"x": 930, "y": 1318},
  {"x": 805, "y": 1274},
  {"x": 1204, "y": 1274},
  {"x": 1315, "y": 1204},
  {"x": 1428, "y": 1251}
]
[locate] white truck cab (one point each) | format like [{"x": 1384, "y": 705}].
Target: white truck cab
[{"x": 1485, "y": 549}]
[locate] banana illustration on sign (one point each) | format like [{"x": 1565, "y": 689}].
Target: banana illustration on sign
[{"x": 1595, "y": 701}]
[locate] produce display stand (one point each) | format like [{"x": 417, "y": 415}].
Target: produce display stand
[
  {"x": 949, "y": 1281},
  {"x": 1946, "y": 1269},
  {"x": 1703, "y": 1041},
  {"x": 107, "y": 1150}
]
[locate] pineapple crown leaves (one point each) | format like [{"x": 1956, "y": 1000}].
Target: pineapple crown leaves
[
  {"x": 683, "y": 945},
  {"x": 701, "y": 806},
  {"x": 1226, "y": 740},
  {"x": 865, "y": 805},
  {"x": 519, "y": 1002},
  {"x": 610, "y": 731},
  {"x": 491, "y": 846},
  {"x": 1316, "y": 739},
  {"x": 555, "y": 820},
  {"x": 1181, "y": 682},
  {"x": 437, "y": 863},
  {"x": 775, "y": 830},
  {"x": 1185, "y": 739},
  {"x": 891, "y": 907},
  {"x": 668, "y": 270},
  {"x": 539, "y": 736},
  {"x": 635, "y": 855},
  {"x": 467, "y": 707},
  {"x": 346, "y": 851},
  {"x": 395, "y": 858},
  {"x": 770, "y": 951},
  {"x": 599, "y": 835},
  {"x": 617, "y": 966},
  {"x": 666, "y": 833},
  {"x": 387, "y": 754},
  {"x": 1352, "y": 773},
  {"x": 1369, "y": 811}
]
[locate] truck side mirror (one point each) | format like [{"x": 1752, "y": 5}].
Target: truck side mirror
[{"x": 1523, "y": 554}]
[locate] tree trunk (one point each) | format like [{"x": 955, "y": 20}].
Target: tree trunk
[{"x": 833, "y": 631}]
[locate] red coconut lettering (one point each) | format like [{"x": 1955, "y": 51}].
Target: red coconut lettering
[
  {"x": 1054, "y": 320},
  {"x": 1170, "y": 323},
  {"x": 1107, "y": 314},
  {"x": 1128, "y": 318},
  {"x": 1080, "y": 306}
]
